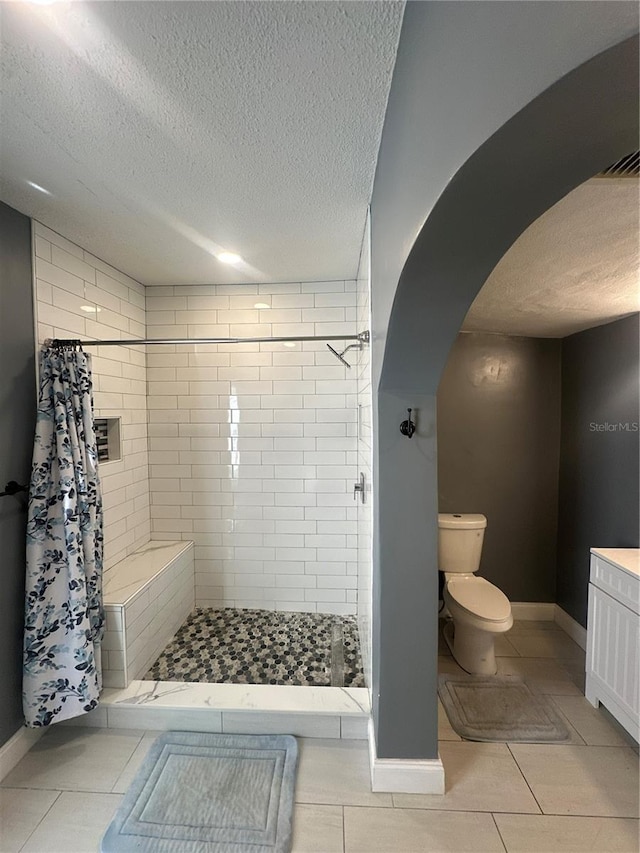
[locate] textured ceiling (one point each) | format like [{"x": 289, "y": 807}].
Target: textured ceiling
[
  {"x": 166, "y": 132},
  {"x": 575, "y": 267}
]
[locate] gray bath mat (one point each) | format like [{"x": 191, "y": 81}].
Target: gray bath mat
[
  {"x": 209, "y": 793},
  {"x": 499, "y": 708}
]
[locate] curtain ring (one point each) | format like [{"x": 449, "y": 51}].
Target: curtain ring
[{"x": 64, "y": 345}]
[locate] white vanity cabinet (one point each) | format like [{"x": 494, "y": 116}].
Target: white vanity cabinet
[{"x": 613, "y": 634}]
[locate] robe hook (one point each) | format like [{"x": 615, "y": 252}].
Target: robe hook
[{"x": 408, "y": 427}]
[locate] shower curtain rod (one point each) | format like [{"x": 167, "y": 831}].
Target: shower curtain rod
[{"x": 361, "y": 337}]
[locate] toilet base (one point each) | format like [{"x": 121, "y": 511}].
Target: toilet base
[{"x": 473, "y": 649}]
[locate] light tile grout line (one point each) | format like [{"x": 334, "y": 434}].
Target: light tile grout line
[
  {"x": 568, "y": 722},
  {"x": 26, "y": 841},
  {"x": 142, "y": 737},
  {"x": 525, "y": 778},
  {"x": 495, "y": 823},
  {"x": 60, "y": 790},
  {"x": 472, "y": 811},
  {"x": 444, "y": 808},
  {"x": 563, "y": 814}
]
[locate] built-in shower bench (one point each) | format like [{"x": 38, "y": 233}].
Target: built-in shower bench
[{"x": 147, "y": 596}]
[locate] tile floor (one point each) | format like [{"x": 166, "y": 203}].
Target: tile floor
[
  {"x": 520, "y": 798},
  {"x": 235, "y": 646}
]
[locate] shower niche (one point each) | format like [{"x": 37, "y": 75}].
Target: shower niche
[{"x": 108, "y": 439}]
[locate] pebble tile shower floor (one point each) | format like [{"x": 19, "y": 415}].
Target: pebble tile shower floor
[{"x": 236, "y": 646}]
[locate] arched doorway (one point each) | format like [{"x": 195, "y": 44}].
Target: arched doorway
[{"x": 575, "y": 128}]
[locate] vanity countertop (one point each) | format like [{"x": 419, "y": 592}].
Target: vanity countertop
[{"x": 627, "y": 559}]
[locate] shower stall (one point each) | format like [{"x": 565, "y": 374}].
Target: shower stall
[
  {"x": 253, "y": 421},
  {"x": 226, "y": 420}
]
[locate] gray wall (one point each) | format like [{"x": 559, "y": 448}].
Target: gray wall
[
  {"x": 474, "y": 148},
  {"x": 17, "y": 419},
  {"x": 463, "y": 69},
  {"x": 498, "y": 454},
  {"x": 598, "y": 469}
]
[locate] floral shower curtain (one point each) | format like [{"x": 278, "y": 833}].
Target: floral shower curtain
[{"x": 64, "y": 615}]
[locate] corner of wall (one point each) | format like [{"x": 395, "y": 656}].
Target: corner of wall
[
  {"x": 404, "y": 776},
  {"x": 79, "y": 296}
]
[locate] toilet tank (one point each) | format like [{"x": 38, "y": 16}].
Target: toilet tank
[{"x": 460, "y": 538}]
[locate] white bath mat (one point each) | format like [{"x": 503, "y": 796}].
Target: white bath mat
[{"x": 209, "y": 793}]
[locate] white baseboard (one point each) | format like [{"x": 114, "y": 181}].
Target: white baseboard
[
  {"x": 16, "y": 748},
  {"x": 404, "y": 775},
  {"x": 542, "y": 611},
  {"x": 569, "y": 625}
]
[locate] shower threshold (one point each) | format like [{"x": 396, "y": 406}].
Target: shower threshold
[{"x": 325, "y": 712}]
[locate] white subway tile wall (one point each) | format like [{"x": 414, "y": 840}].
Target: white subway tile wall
[
  {"x": 365, "y": 463},
  {"x": 253, "y": 447},
  {"x": 79, "y": 296}
]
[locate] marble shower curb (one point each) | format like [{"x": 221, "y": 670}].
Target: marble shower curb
[{"x": 322, "y": 712}]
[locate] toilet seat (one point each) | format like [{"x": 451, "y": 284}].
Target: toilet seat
[{"x": 480, "y": 598}]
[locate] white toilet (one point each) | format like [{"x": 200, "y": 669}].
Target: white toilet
[{"x": 478, "y": 608}]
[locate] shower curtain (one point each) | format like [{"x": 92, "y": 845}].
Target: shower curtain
[{"x": 64, "y": 615}]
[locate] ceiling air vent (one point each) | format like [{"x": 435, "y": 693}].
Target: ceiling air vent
[{"x": 626, "y": 167}]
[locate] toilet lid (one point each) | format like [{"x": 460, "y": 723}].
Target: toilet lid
[{"x": 480, "y": 598}]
